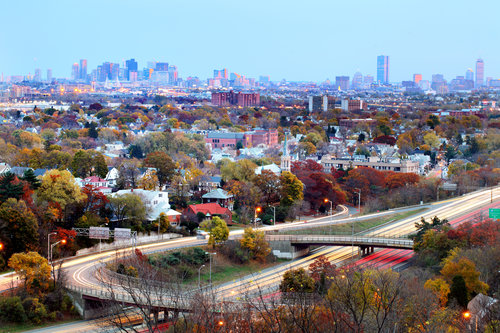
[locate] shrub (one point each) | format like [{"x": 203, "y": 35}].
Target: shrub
[
  {"x": 11, "y": 310},
  {"x": 184, "y": 272},
  {"x": 36, "y": 311}
]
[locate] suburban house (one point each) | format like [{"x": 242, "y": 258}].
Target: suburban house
[
  {"x": 157, "y": 201},
  {"x": 209, "y": 183},
  {"x": 102, "y": 185},
  {"x": 112, "y": 176},
  {"x": 4, "y": 167},
  {"x": 209, "y": 210},
  {"x": 220, "y": 196}
]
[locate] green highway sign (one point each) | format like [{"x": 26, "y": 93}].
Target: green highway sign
[{"x": 494, "y": 213}]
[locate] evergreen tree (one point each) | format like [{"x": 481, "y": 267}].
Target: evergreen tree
[
  {"x": 8, "y": 187},
  {"x": 458, "y": 291},
  {"x": 29, "y": 176}
]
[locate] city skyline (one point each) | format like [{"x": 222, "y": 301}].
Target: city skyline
[{"x": 291, "y": 40}]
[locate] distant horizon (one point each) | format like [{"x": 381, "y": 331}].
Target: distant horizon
[{"x": 292, "y": 40}]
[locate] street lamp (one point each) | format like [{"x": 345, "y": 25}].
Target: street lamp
[
  {"x": 210, "y": 257},
  {"x": 326, "y": 200},
  {"x": 258, "y": 209},
  {"x": 352, "y": 223},
  {"x": 62, "y": 241},
  {"x": 274, "y": 215},
  {"x": 199, "y": 276},
  {"x": 48, "y": 245}
]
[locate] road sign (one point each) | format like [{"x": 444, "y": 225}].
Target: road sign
[
  {"x": 122, "y": 233},
  {"x": 494, "y": 213},
  {"x": 98, "y": 233}
]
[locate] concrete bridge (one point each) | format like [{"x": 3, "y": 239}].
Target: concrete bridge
[{"x": 293, "y": 246}]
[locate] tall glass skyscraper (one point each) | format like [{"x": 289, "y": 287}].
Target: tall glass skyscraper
[
  {"x": 383, "y": 69},
  {"x": 479, "y": 73}
]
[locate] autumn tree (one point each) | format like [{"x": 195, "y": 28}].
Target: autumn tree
[
  {"x": 10, "y": 187},
  {"x": 291, "y": 188},
  {"x": 59, "y": 187},
  {"x": 255, "y": 242},
  {"x": 18, "y": 227},
  {"x": 321, "y": 270},
  {"x": 129, "y": 207},
  {"x": 33, "y": 269},
  {"x": 164, "y": 165},
  {"x": 269, "y": 184},
  {"x": 297, "y": 280},
  {"x": 440, "y": 288},
  {"x": 217, "y": 229}
]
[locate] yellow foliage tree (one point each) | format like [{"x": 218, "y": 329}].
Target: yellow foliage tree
[
  {"x": 440, "y": 288},
  {"x": 59, "y": 187},
  {"x": 255, "y": 242},
  {"x": 33, "y": 269},
  {"x": 467, "y": 269}
]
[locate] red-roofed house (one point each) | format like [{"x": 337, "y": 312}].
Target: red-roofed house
[
  {"x": 209, "y": 210},
  {"x": 95, "y": 181}
]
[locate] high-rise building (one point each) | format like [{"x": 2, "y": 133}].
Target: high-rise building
[
  {"x": 173, "y": 75},
  {"x": 342, "y": 82},
  {"x": 83, "y": 69},
  {"x": 357, "y": 80},
  {"x": 130, "y": 67},
  {"x": 383, "y": 69},
  {"x": 368, "y": 80},
  {"x": 75, "y": 71},
  {"x": 49, "y": 75},
  {"x": 38, "y": 75},
  {"x": 220, "y": 73},
  {"x": 469, "y": 75},
  {"x": 417, "y": 78},
  {"x": 161, "y": 67},
  {"x": 479, "y": 73}
]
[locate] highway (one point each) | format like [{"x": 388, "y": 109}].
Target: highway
[{"x": 81, "y": 271}]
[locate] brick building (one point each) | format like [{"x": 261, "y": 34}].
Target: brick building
[{"x": 232, "y": 98}]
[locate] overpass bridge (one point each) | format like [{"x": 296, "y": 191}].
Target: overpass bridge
[{"x": 293, "y": 246}]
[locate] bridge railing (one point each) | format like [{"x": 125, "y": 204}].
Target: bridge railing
[{"x": 358, "y": 240}]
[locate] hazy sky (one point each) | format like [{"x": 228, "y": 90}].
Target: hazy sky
[{"x": 296, "y": 40}]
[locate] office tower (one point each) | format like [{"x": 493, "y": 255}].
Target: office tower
[
  {"x": 417, "y": 78},
  {"x": 342, "y": 82},
  {"x": 173, "y": 75},
  {"x": 161, "y": 67},
  {"x": 357, "y": 80},
  {"x": 368, "y": 80},
  {"x": 469, "y": 75},
  {"x": 220, "y": 74},
  {"x": 264, "y": 79},
  {"x": 38, "y": 75},
  {"x": 479, "y": 73},
  {"x": 75, "y": 71},
  {"x": 383, "y": 69},
  {"x": 83, "y": 69},
  {"x": 131, "y": 67},
  {"x": 49, "y": 75}
]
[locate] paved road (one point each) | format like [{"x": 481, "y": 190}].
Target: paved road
[{"x": 81, "y": 269}]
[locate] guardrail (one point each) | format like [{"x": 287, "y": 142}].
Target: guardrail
[{"x": 344, "y": 240}]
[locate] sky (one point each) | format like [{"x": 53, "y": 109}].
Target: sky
[{"x": 308, "y": 40}]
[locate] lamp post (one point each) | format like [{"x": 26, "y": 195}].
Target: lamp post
[
  {"x": 258, "y": 209},
  {"x": 63, "y": 241},
  {"x": 331, "y": 205},
  {"x": 49, "y": 256},
  {"x": 199, "y": 276},
  {"x": 210, "y": 257},
  {"x": 352, "y": 224},
  {"x": 274, "y": 215}
]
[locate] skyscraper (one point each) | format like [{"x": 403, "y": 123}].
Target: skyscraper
[
  {"x": 469, "y": 75},
  {"x": 342, "y": 82},
  {"x": 49, "y": 75},
  {"x": 479, "y": 73},
  {"x": 220, "y": 74},
  {"x": 83, "y": 69},
  {"x": 131, "y": 67},
  {"x": 38, "y": 75},
  {"x": 75, "y": 71},
  {"x": 357, "y": 80},
  {"x": 383, "y": 69},
  {"x": 417, "y": 78}
]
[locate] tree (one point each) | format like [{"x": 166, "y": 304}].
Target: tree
[
  {"x": 163, "y": 222},
  {"x": 321, "y": 270},
  {"x": 292, "y": 189},
  {"x": 100, "y": 165},
  {"x": 10, "y": 187},
  {"x": 255, "y": 242},
  {"x": 269, "y": 184},
  {"x": 458, "y": 291},
  {"x": 59, "y": 187},
  {"x": 297, "y": 280},
  {"x": 218, "y": 230},
  {"x": 431, "y": 139},
  {"x": 81, "y": 164},
  {"x": 129, "y": 206},
  {"x": 164, "y": 165},
  {"x": 149, "y": 181},
  {"x": 467, "y": 270},
  {"x": 440, "y": 288},
  {"x": 33, "y": 269},
  {"x": 29, "y": 176},
  {"x": 423, "y": 226},
  {"x": 18, "y": 226}
]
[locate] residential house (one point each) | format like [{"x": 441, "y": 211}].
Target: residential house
[
  {"x": 220, "y": 196},
  {"x": 209, "y": 210},
  {"x": 209, "y": 183},
  {"x": 112, "y": 176},
  {"x": 4, "y": 167}
]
